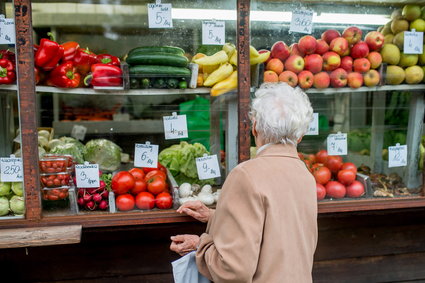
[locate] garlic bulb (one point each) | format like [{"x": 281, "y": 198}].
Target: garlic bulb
[
  {"x": 206, "y": 189},
  {"x": 185, "y": 190},
  {"x": 206, "y": 198}
]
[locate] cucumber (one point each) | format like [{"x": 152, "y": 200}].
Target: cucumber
[
  {"x": 140, "y": 70},
  {"x": 165, "y": 49},
  {"x": 158, "y": 58}
]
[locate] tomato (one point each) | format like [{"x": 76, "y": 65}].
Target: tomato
[
  {"x": 137, "y": 173},
  {"x": 321, "y": 156},
  {"x": 321, "y": 191},
  {"x": 322, "y": 175},
  {"x": 156, "y": 173},
  {"x": 301, "y": 156},
  {"x": 311, "y": 158},
  {"x": 122, "y": 182},
  {"x": 308, "y": 164},
  {"x": 164, "y": 201},
  {"x": 145, "y": 200},
  {"x": 316, "y": 165},
  {"x": 156, "y": 185},
  {"x": 159, "y": 167},
  {"x": 334, "y": 163},
  {"x": 355, "y": 190},
  {"x": 349, "y": 166},
  {"x": 125, "y": 202},
  {"x": 346, "y": 177},
  {"x": 335, "y": 189},
  {"x": 139, "y": 186}
]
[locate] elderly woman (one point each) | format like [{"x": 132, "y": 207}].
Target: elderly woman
[{"x": 264, "y": 228}]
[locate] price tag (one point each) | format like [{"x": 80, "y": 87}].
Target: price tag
[
  {"x": 7, "y": 31},
  {"x": 11, "y": 169},
  {"x": 397, "y": 156},
  {"x": 207, "y": 167},
  {"x": 413, "y": 42},
  {"x": 160, "y": 16},
  {"x": 301, "y": 21},
  {"x": 146, "y": 155},
  {"x": 78, "y": 132},
  {"x": 313, "y": 128},
  {"x": 175, "y": 126},
  {"x": 87, "y": 175},
  {"x": 213, "y": 32},
  {"x": 337, "y": 144}
]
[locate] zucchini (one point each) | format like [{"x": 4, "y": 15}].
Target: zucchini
[
  {"x": 165, "y": 49},
  {"x": 157, "y": 58},
  {"x": 142, "y": 70}
]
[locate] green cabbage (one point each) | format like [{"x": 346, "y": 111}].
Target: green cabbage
[
  {"x": 4, "y": 206},
  {"x": 18, "y": 188},
  {"x": 17, "y": 205},
  {"x": 5, "y": 188},
  {"x": 103, "y": 152},
  {"x": 71, "y": 149}
]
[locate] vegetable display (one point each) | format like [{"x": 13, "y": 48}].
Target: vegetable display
[
  {"x": 188, "y": 192},
  {"x": 103, "y": 152},
  {"x": 11, "y": 198},
  {"x": 95, "y": 198}
]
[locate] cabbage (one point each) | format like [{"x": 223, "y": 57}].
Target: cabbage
[
  {"x": 71, "y": 149},
  {"x": 18, "y": 188},
  {"x": 17, "y": 205},
  {"x": 103, "y": 152},
  {"x": 5, "y": 188},
  {"x": 4, "y": 206}
]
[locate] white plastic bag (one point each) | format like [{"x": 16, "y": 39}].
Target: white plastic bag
[{"x": 186, "y": 271}]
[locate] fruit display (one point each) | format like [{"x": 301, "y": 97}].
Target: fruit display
[
  {"x": 192, "y": 192},
  {"x": 11, "y": 199}
]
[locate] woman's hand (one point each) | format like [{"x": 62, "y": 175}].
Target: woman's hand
[
  {"x": 197, "y": 210},
  {"x": 183, "y": 244}
]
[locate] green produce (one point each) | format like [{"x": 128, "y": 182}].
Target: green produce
[
  {"x": 134, "y": 83},
  {"x": 5, "y": 188},
  {"x": 142, "y": 70},
  {"x": 157, "y": 58},
  {"x": 4, "y": 206},
  {"x": 71, "y": 149},
  {"x": 145, "y": 83},
  {"x": 18, "y": 188},
  {"x": 172, "y": 83},
  {"x": 164, "y": 49},
  {"x": 103, "y": 152},
  {"x": 159, "y": 83},
  {"x": 17, "y": 205},
  {"x": 182, "y": 84}
]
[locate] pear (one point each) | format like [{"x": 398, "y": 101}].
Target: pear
[
  {"x": 418, "y": 25},
  {"x": 407, "y": 60},
  {"x": 399, "y": 40},
  {"x": 411, "y": 12},
  {"x": 390, "y": 54},
  {"x": 396, "y": 14},
  {"x": 414, "y": 75},
  {"x": 399, "y": 25},
  {"x": 388, "y": 38},
  {"x": 387, "y": 28},
  {"x": 395, "y": 75}
]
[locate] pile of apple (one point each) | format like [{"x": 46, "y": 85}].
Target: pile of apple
[
  {"x": 336, "y": 60},
  {"x": 403, "y": 67},
  {"x": 334, "y": 178}
]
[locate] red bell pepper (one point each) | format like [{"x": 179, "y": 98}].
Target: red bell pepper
[
  {"x": 108, "y": 59},
  {"x": 70, "y": 49},
  {"x": 83, "y": 60},
  {"x": 7, "y": 72},
  {"x": 7, "y": 54},
  {"x": 48, "y": 54},
  {"x": 64, "y": 75},
  {"x": 104, "y": 75}
]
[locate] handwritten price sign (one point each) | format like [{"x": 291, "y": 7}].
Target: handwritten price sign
[
  {"x": 146, "y": 155},
  {"x": 7, "y": 31},
  {"x": 313, "y": 128},
  {"x": 207, "y": 167},
  {"x": 175, "y": 126},
  {"x": 213, "y": 32},
  {"x": 301, "y": 21},
  {"x": 337, "y": 144},
  {"x": 159, "y": 16},
  {"x": 87, "y": 175},
  {"x": 413, "y": 42},
  {"x": 397, "y": 156},
  {"x": 11, "y": 169}
]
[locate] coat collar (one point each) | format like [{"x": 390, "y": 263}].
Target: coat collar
[{"x": 287, "y": 150}]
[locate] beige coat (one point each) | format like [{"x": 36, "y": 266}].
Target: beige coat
[{"x": 265, "y": 226}]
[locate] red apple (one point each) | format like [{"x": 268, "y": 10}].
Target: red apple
[
  {"x": 321, "y": 80},
  {"x": 329, "y": 35},
  {"x": 374, "y": 40},
  {"x": 313, "y": 63},
  {"x": 361, "y": 65},
  {"x": 347, "y": 52},
  {"x": 338, "y": 78},
  {"x": 371, "y": 78},
  {"x": 355, "y": 80},
  {"x": 352, "y": 35},
  {"x": 331, "y": 61},
  {"x": 321, "y": 47},
  {"x": 305, "y": 79},
  {"x": 307, "y": 44},
  {"x": 347, "y": 63},
  {"x": 339, "y": 45},
  {"x": 280, "y": 50},
  {"x": 295, "y": 50},
  {"x": 359, "y": 50},
  {"x": 289, "y": 77},
  {"x": 294, "y": 63},
  {"x": 375, "y": 59}
]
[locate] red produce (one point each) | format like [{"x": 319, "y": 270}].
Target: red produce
[
  {"x": 335, "y": 189},
  {"x": 122, "y": 182},
  {"x": 355, "y": 190}
]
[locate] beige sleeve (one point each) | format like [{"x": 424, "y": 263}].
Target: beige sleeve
[{"x": 229, "y": 250}]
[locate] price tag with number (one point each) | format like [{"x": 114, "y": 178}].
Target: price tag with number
[
  {"x": 146, "y": 155},
  {"x": 413, "y": 42},
  {"x": 397, "y": 156},
  {"x": 160, "y": 16},
  {"x": 175, "y": 126},
  {"x": 78, "y": 132},
  {"x": 87, "y": 175},
  {"x": 313, "y": 128},
  {"x": 213, "y": 32},
  {"x": 207, "y": 167},
  {"x": 301, "y": 21},
  {"x": 7, "y": 31},
  {"x": 337, "y": 144},
  {"x": 11, "y": 169}
]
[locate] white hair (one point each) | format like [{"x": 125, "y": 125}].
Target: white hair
[{"x": 282, "y": 113}]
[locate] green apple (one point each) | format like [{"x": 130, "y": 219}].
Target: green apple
[
  {"x": 399, "y": 40},
  {"x": 411, "y": 12},
  {"x": 395, "y": 75},
  {"x": 422, "y": 57},
  {"x": 418, "y": 25},
  {"x": 387, "y": 28},
  {"x": 390, "y": 54},
  {"x": 414, "y": 75},
  {"x": 399, "y": 25},
  {"x": 388, "y": 38},
  {"x": 407, "y": 60}
]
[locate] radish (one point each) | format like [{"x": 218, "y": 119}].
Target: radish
[
  {"x": 103, "y": 205},
  {"x": 90, "y": 205},
  {"x": 104, "y": 194},
  {"x": 81, "y": 201},
  {"x": 97, "y": 197},
  {"x": 87, "y": 197}
]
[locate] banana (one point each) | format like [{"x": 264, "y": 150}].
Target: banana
[
  {"x": 234, "y": 59},
  {"x": 229, "y": 48},
  {"x": 218, "y": 58},
  {"x": 260, "y": 59},
  {"x": 226, "y": 85},
  {"x": 253, "y": 52},
  {"x": 218, "y": 75}
]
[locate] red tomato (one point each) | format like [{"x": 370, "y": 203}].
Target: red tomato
[
  {"x": 155, "y": 173},
  {"x": 321, "y": 191},
  {"x": 139, "y": 186},
  {"x": 122, "y": 182},
  {"x": 321, "y": 156},
  {"x": 164, "y": 201},
  {"x": 308, "y": 164},
  {"x": 346, "y": 177},
  {"x": 349, "y": 166},
  {"x": 158, "y": 167},
  {"x": 355, "y": 190},
  {"x": 145, "y": 200},
  {"x": 335, "y": 189},
  {"x": 317, "y": 165},
  {"x": 322, "y": 175},
  {"x": 137, "y": 173},
  {"x": 125, "y": 202},
  {"x": 334, "y": 163},
  {"x": 311, "y": 157},
  {"x": 156, "y": 185}
]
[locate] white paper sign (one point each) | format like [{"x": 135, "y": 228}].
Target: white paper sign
[
  {"x": 397, "y": 156},
  {"x": 301, "y": 21},
  {"x": 207, "y": 167},
  {"x": 313, "y": 128},
  {"x": 175, "y": 127},
  {"x": 337, "y": 144},
  {"x": 146, "y": 155},
  {"x": 7, "y": 31},
  {"x": 160, "y": 16},
  {"x": 78, "y": 132},
  {"x": 87, "y": 175},
  {"x": 413, "y": 42},
  {"x": 213, "y": 32},
  {"x": 11, "y": 169}
]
